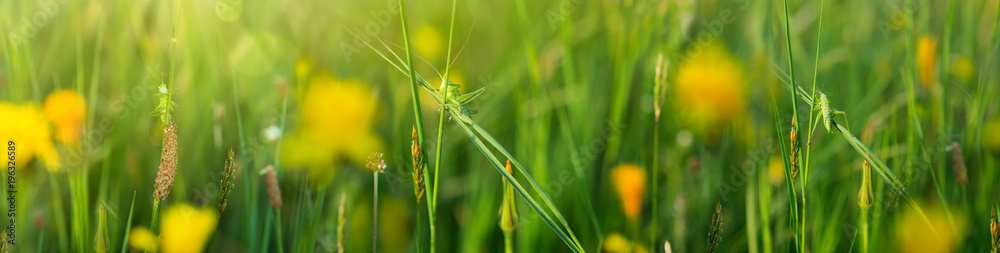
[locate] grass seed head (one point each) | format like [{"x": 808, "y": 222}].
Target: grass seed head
[
  {"x": 227, "y": 181},
  {"x": 168, "y": 163},
  {"x": 715, "y": 229},
  {"x": 796, "y": 148},
  {"x": 273, "y": 191},
  {"x": 418, "y": 166}
]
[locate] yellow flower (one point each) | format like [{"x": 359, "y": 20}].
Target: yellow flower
[
  {"x": 963, "y": 69},
  {"x": 926, "y": 59},
  {"x": 29, "y": 130},
  {"x": 776, "y": 170},
  {"x": 186, "y": 228},
  {"x": 913, "y": 234},
  {"x": 616, "y": 243},
  {"x": 66, "y": 109},
  {"x": 710, "y": 88},
  {"x": 991, "y": 134},
  {"x": 334, "y": 127},
  {"x": 427, "y": 42},
  {"x": 630, "y": 182},
  {"x": 142, "y": 239}
]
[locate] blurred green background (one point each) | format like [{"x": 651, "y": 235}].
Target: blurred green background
[{"x": 569, "y": 90}]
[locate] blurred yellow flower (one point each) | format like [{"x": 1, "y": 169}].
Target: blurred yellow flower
[
  {"x": 186, "y": 228},
  {"x": 31, "y": 133},
  {"x": 991, "y": 134},
  {"x": 710, "y": 89},
  {"x": 66, "y": 109},
  {"x": 963, "y": 69},
  {"x": 428, "y": 43},
  {"x": 617, "y": 243},
  {"x": 142, "y": 239},
  {"x": 334, "y": 127},
  {"x": 926, "y": 59},
  {"x": 630, "y": 182},
  {"x": 303, "y": 67},
  {"x": 776, "y": 170},
  {"x": 913, "y": 234}
]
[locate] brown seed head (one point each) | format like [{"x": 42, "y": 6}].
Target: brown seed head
[
  {"x": 168, "y": 163},
  {"x": 273, "y": 191}
]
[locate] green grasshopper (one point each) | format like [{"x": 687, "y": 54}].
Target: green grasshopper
[
  {"x": 452, "y": 99},
  {"x": 166, "y": 105},
  {"x": 822, "y": 104}
]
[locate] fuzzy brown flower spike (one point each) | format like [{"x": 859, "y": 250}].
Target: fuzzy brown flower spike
[
  {"x": 418, "y": 166},
  {"x": 226, "y": 183},
  {"x": 273, "y": 191},
  {"x": 168, "y": 163},
  {"x": 961, "y": 175}
]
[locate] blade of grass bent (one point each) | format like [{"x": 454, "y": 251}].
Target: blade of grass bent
[{"x": 517, "y": 186}]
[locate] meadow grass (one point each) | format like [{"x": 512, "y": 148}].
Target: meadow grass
[{"x": 558, "y": 75}]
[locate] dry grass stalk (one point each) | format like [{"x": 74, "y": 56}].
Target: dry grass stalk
[{"x": 168, "y": 163}]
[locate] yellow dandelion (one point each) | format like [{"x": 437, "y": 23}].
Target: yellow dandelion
[
  {"x": 28, "y": 128},
  {"x": 926, "y": 60},
  {"x": 186, "y": 228},
  {"x": 66, "y": 109},
  {"x": 914, "y": 235},
  {"x": 427, "y": 42},
  {"x": 710, "y": 89},
  {"x": 335, "y": 127},
  {"x": 142, "y": 239},
  {"x": 630, "y": 182}
]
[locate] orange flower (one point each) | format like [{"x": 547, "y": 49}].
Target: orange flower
[
  {"x": 926, "y": 60},
  {"x": 630, "y": 181}
]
